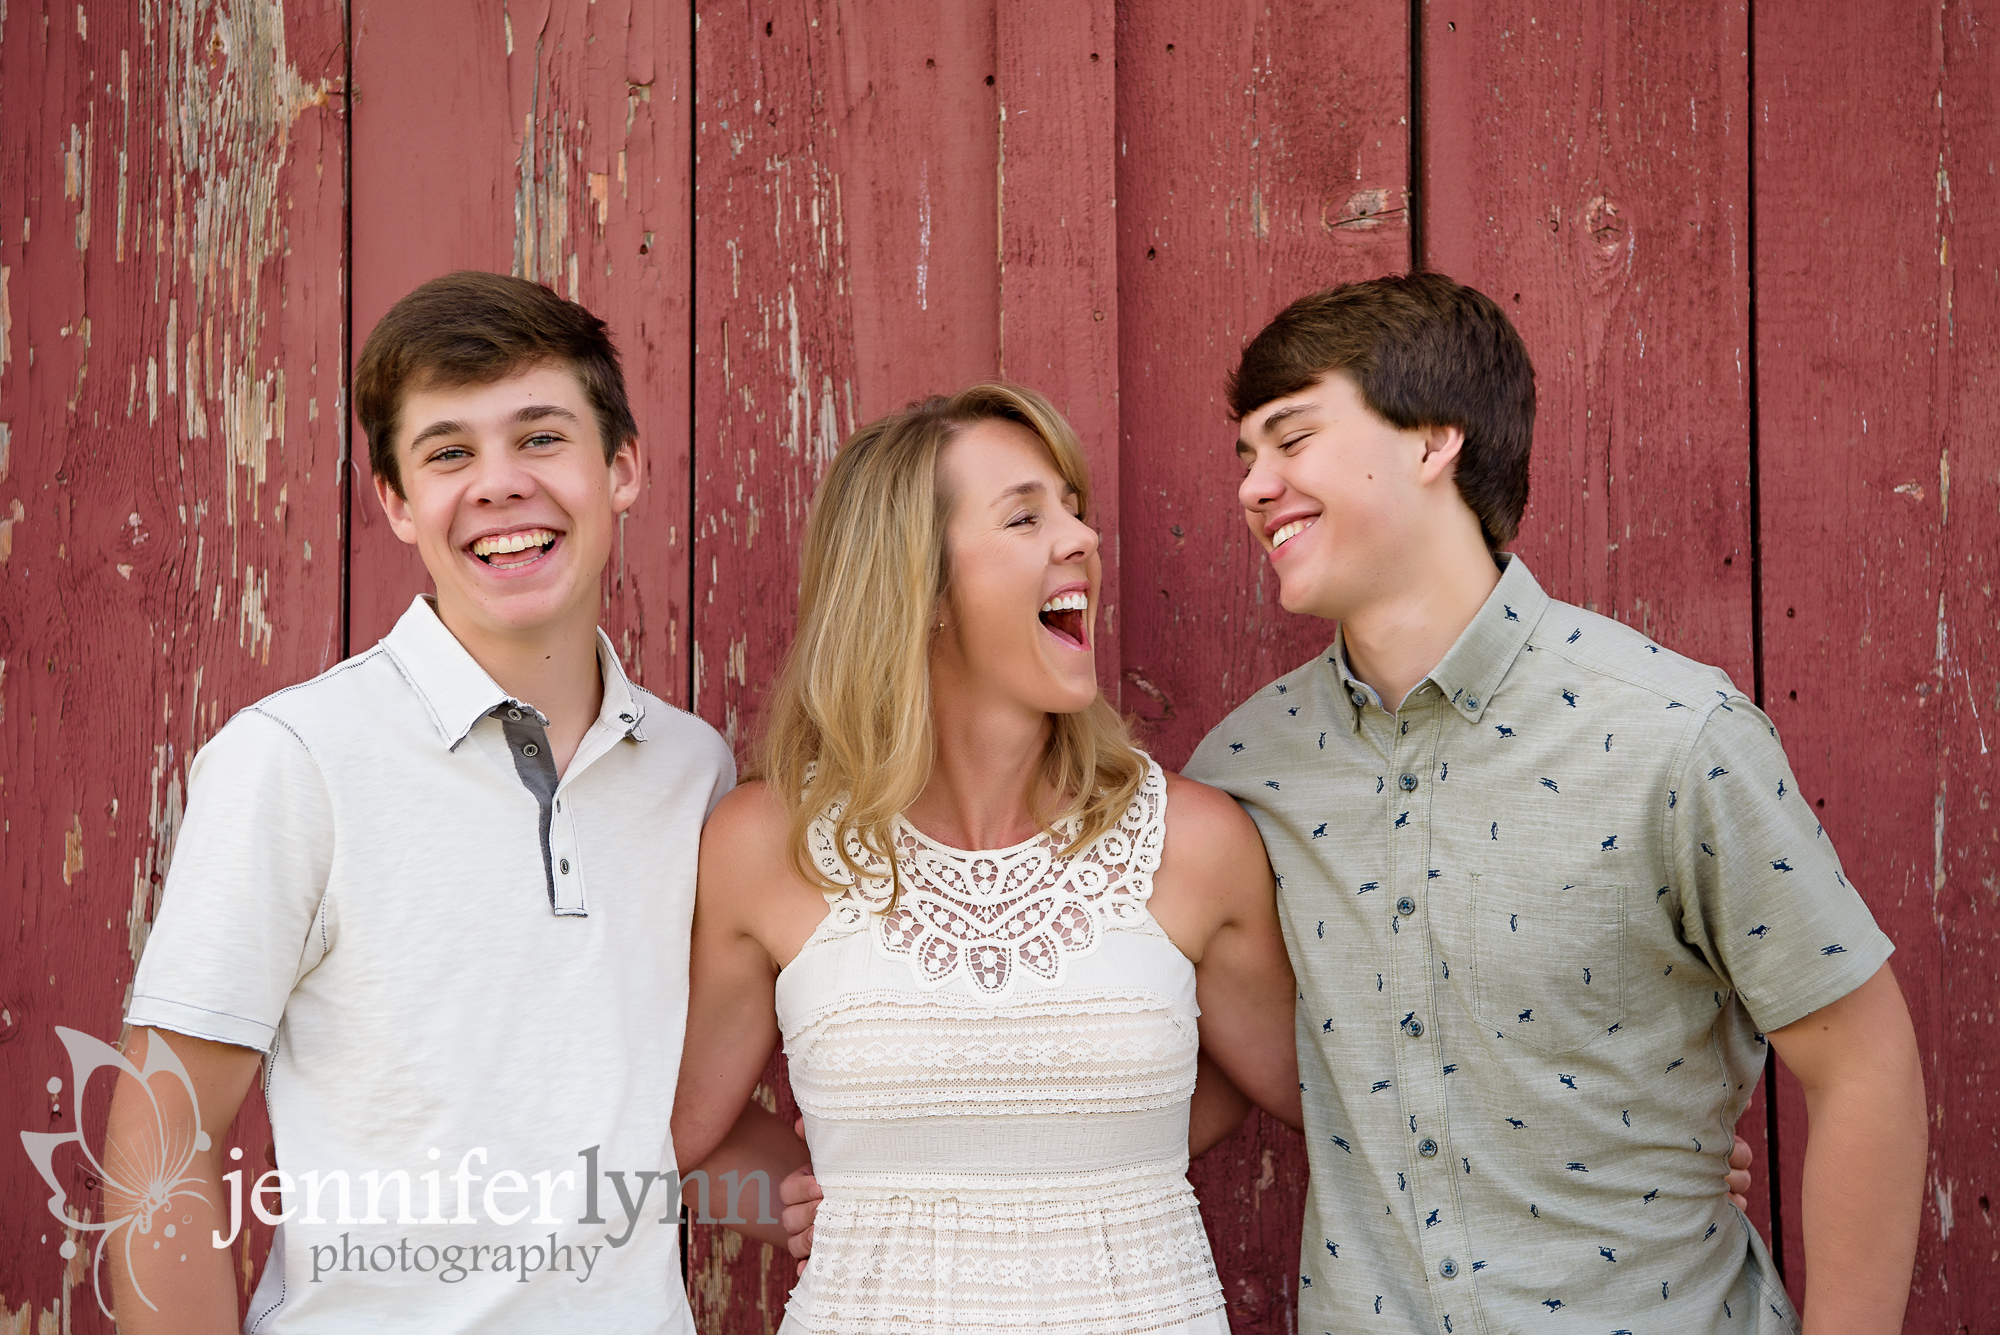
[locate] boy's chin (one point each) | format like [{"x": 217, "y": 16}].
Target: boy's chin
[{"x": 1306, "y": 601}]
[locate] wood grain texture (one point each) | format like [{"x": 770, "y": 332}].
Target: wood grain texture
[
  {"x": 1260, "y": 154},
  {"x": 552, "y": 143},
  {"x": 170, "y": 458},
  {"x": 848, "y": 263},
  {"x": 1876, "y": 271}
]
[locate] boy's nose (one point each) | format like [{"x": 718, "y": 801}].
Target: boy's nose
[
  {"x": 503, "y": 477},
  {"x": 1260, "y": 488}
]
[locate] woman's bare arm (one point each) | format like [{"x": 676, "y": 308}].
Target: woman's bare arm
[{"x": 1214, "y": 896}]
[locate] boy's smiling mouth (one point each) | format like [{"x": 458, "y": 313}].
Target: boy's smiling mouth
[
  {"x": 1292, "y": 530},
  {"x": 507, "y": 551}
]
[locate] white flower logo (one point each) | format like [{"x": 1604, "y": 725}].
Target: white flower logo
[{"x": 143, "y": 1179}]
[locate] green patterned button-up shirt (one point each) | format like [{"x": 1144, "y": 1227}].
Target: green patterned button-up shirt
[{"x": 1542, "y": 915}]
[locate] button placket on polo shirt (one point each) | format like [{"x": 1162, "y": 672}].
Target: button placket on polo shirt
[
  {"x": 1433, "y": 1195},
  {"x": 565, "y": 848}
]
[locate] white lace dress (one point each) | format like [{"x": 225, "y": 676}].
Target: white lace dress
[{"x": 995, "y": 1079}]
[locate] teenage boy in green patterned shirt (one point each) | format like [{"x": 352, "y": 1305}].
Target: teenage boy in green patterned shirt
[{"x": 1549, "y": 887}]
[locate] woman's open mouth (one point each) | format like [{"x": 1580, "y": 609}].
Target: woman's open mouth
[
  {"x": 1067, "y": 617},
  {"x": 510, "y": 551}
]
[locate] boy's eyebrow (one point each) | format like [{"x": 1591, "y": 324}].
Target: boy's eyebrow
[
  {"x": 1272, "y": 422},
  {"x": 1285, "y": 414},
  {"x": 533, "y": 412}
]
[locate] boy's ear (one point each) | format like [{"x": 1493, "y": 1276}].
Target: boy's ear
[
  {"x": 628, "y": 476},
  {"x": 1441, "y": 449},
  {"x": 397, "y": 507}
]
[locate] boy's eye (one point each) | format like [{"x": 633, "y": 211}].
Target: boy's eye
[{"x": 449, "y": 453}]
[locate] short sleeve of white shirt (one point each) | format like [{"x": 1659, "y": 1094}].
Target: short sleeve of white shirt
[{"x": 237, "y": 921}]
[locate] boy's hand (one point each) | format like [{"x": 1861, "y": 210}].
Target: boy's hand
[
  {"x": 1739, "y": 1174},
  {"x": 800, "y": 1195}
]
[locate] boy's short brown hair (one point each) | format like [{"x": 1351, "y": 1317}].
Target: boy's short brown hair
[
  {"x": 1424, "y": 351},
  {"x": 471, "y": 328}
]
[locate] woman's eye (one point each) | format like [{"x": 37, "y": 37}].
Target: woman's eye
[{"x": 1021, "y": 519}]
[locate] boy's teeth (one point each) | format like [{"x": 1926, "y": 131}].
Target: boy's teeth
[
  {"x": 512, "y": 542},
  {"x": 1289, "y": 531},
  {"x": 1067, "y": 602}
]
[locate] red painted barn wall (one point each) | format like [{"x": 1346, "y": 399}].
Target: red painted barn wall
[
  {"x": 1877, "y": 263},
  {"x": 798, "y": 218},
  {"x": 171, "y": 399}
]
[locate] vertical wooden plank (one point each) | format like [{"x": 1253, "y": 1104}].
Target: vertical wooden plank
[
  {"x": 1588, "y": 169},
  {"x": 1958, "y": 1275},
  {"x": 1260, "y": 153},
  {"x": 1058, "y": 244},
  {"x": 1877, "y": 472},
  {"x": 848, "y": 262},
  {"x": 171, "y": 297},
  {"x": 550, "y": 141}
]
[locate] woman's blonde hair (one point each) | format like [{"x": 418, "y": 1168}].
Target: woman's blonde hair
[{"x": 849, "y": 722}]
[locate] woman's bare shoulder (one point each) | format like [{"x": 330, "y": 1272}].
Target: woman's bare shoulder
[
  {"x": 1206, "y": 824},
  {"x": 749, "y": 832}
]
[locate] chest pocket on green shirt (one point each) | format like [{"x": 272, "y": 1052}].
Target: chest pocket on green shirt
[{"x": 1548, "y": 962}]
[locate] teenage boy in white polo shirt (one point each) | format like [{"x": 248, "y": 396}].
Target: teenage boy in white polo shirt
[
  {"x": 443, "y": 891},
  {"x": 1548, "y": 886}
]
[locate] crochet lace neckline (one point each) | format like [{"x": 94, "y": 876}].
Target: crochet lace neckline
[{"x": 1000, "y": 917}]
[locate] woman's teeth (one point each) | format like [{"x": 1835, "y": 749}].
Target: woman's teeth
[
  {"x": 504, "y": 543},
  {"x": 1288, "y": 532},
  {"x": 1067, "y": 602}
]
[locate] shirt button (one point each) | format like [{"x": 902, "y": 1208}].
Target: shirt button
[
  {"x": 1428, "y": 1148},
  {"x": 1358, "y": 698},
  {"x": 1448, "y": 1268},
  {"x": 1416, "y": 1026},
  {"x": 1409, "y": 782},
  {"x": 531, "y": 750},
  {"x": 1406, "y": 906},
  {"x": 1472, "y": 702},
  {"x": 513, "y": 716},
  {"x": 564, "y": 864}
]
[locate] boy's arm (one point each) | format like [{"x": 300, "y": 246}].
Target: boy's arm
[
  {"x": 1865, "y": 1148},
  {"x": 186, "y": 1285}
]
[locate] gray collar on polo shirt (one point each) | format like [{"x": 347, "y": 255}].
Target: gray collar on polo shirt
[
  {"x": 458, "y": 692},
  {"x": 1473, "y": 668}
]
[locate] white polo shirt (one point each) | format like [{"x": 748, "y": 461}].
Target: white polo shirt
[{"x": 467, "y": 975}]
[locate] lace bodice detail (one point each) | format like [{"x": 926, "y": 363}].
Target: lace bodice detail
[
  {"x": 1001, "y": 918},
  {"x": 995, "y": 1077}
]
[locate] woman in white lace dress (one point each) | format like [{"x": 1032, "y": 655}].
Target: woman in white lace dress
[{"x": 983, "y": 923}]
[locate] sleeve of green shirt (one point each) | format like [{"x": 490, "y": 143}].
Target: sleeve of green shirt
[{"x": 1761, "y": 891}]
